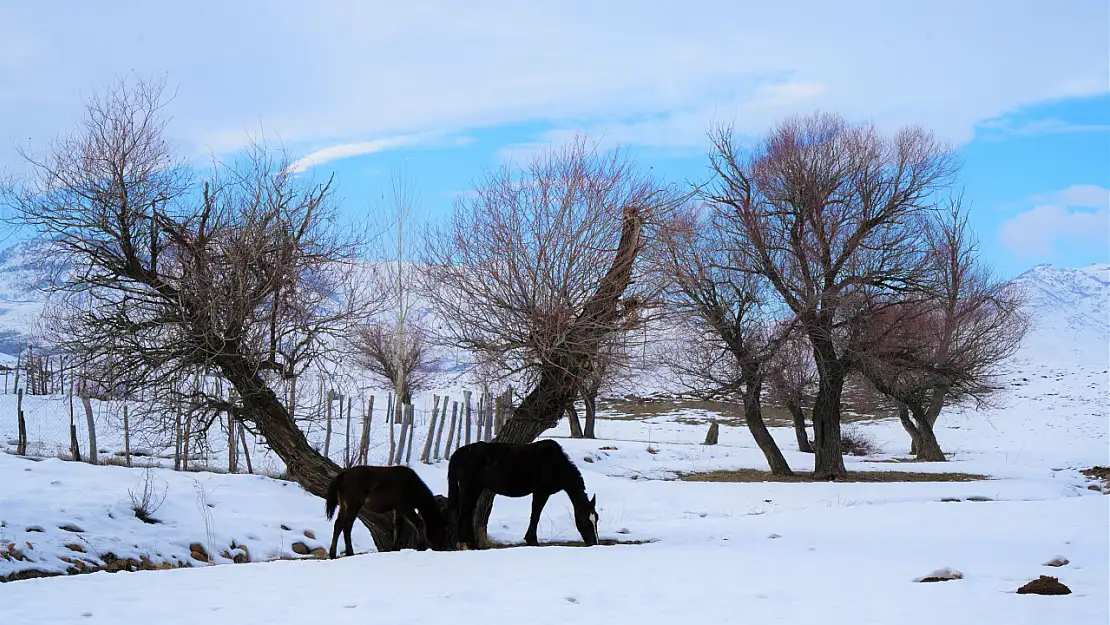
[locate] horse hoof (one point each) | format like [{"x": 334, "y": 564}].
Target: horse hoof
[{"x": 461, "y": 546}]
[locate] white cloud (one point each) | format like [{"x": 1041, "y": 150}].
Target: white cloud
[
  {"x": 339, "y": 72},
  {"x": 1077, "y": 217},
  {"x": 347, "y": 150},
  {"x": 1081, "y": 195}
]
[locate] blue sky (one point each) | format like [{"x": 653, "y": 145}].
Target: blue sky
[{"x": 445, "y": 90}]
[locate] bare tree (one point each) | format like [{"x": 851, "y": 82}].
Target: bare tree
[
  {"x": 944, "y": 344},
  {"x": 376, "y": 351},
  {"x": 825, "y": 209},
  {"x": 244, "y": 276},
  {"x": 792, "y": 377},
  {"x": 612, "y": 364},
  {"x": 537, "y": 269},
  {"x": 732, "y": 336}
]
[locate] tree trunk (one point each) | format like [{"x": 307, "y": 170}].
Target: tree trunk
[
  {"x": 303, "y": 464},
  {"x": 828, "y": 461},
  {"x": 559, "y": 382},
  {"x": 911, "y": 429},
  {"x": 575, "y": 424},
  {"x": 928, "y": 448},
  {"x": 753, "y": 416},
  {"x": 589, "y": 400},
  {"x": 799, "y": 416}
]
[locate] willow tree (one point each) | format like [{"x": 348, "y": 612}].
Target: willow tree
[
  {"x": 826, "y": 210},
  {"x": 537, "y": 270},
  {"x": 243, "y": 274}
]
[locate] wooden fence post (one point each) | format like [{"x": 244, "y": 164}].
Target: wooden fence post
[
  {"x": 21, "y": 441},
  {"x": 426, "y": 455},
  {"x": 94, "y": 453},
  {"x": 412, "y": 433},
  {"x": 327, "y": 431},
  {"x": 439, "y": 430},
  {"x": 451, "y": 438},
  {"x": 466, "y": 418},
  {"x": 391, "y": 417},
  {"x": 367, "y": 419},
  {"x": 402, "y": 410},
  {"x": 74, "y": 446},
  {"x": 126, "y": 437},
  {"x": 243, "y": 440}
]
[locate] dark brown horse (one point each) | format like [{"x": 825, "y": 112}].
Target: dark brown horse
[
  {"x": 382, "y": 489},
  {"x": 540, "y": 469}
]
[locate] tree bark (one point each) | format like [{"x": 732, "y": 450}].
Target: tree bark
[
  {"x": 575, "y": 424},
  {"x": 828, "y": 461},
  {"x": 303, "y": 464},
  {"x": 928, "y": 448},
  {"x": 589, "y": 400},
  {"x": 799, "y": 416},
  {"x": 911, "y": 429},
  {"x": 753, "y": 416}
]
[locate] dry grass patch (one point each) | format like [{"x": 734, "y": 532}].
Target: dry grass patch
[
  {"x": 493, "y": 544},
  {"x": 758, "y": 475}
]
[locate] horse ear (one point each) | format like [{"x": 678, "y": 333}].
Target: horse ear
[{"x": 593, "y": 500}]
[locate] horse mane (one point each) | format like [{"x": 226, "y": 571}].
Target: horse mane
[
  {"x": 428, "y": 508},
  {"x": 573, "y": 472}
]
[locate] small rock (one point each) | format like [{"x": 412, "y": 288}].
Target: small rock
[
  {"x": 773, "y": 536},
  {"x": 300, "y": 548},
  {"x": 624, "y": 530},
  {"x": 1044, "y": 585},
  {"x": 979, "y": 498},
  {"x": 588, "y": 459},
  {"x": 285, "y": 527},
  {"x": 950, "y": 500},
  {"x": 309, "y": 534},
  {"x": 198, "y": 552},
  {"x": 320, "y": 552},
  {"x": 941, "y": 575},
  {"x": 69, "y": 527},
  {"x": 1094, "y": 487},
  {"x": 35, "y": 528},
  {"x": 1057, "y": 561},
  {"x": 75, "y": 547}
]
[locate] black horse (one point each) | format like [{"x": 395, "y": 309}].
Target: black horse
[
  {"x": 540, "y": 469},
  {"x": 383, "y": 489}
]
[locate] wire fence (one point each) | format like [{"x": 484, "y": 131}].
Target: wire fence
[{"x": 359, "y": 427}]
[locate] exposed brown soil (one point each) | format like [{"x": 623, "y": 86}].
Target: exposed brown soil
[
  {"x": 758, "y": 475},
  {"x": 1044, "y": 585}
]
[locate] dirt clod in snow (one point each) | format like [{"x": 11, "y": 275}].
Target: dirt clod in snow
[
  {"x": 1057, "y": 561},
  {"x": 1044, "y": 585},
  {"x": 941, "y": 575}
]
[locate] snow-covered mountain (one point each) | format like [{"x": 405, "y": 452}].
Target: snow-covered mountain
[{"x": 1069, "y": 310}]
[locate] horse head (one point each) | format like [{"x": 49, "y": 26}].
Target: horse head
[{"x": 585, "y": 517}]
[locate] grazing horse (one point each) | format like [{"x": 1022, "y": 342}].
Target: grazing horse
[
  {"x": 540, "y": 469},
  {"x": 383, "y": 489}
]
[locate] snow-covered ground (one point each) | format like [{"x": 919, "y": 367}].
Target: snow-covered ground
[{"x": 716, "y": 552}]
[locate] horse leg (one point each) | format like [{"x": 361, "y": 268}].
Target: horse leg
[
  {"x": 465, "y": 530},
  {"x": 336, "y": 531},
  {"x": 410, "y": 515},
  {"x": 396, "y": 530},
  {"x": 349, "y": 525},
  {"x": 539, "y": 500}
]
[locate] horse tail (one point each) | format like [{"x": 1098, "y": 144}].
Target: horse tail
[{"x": 333, "y": 495}]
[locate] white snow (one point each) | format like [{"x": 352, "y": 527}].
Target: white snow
[{"x": 716, "y": 552}]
